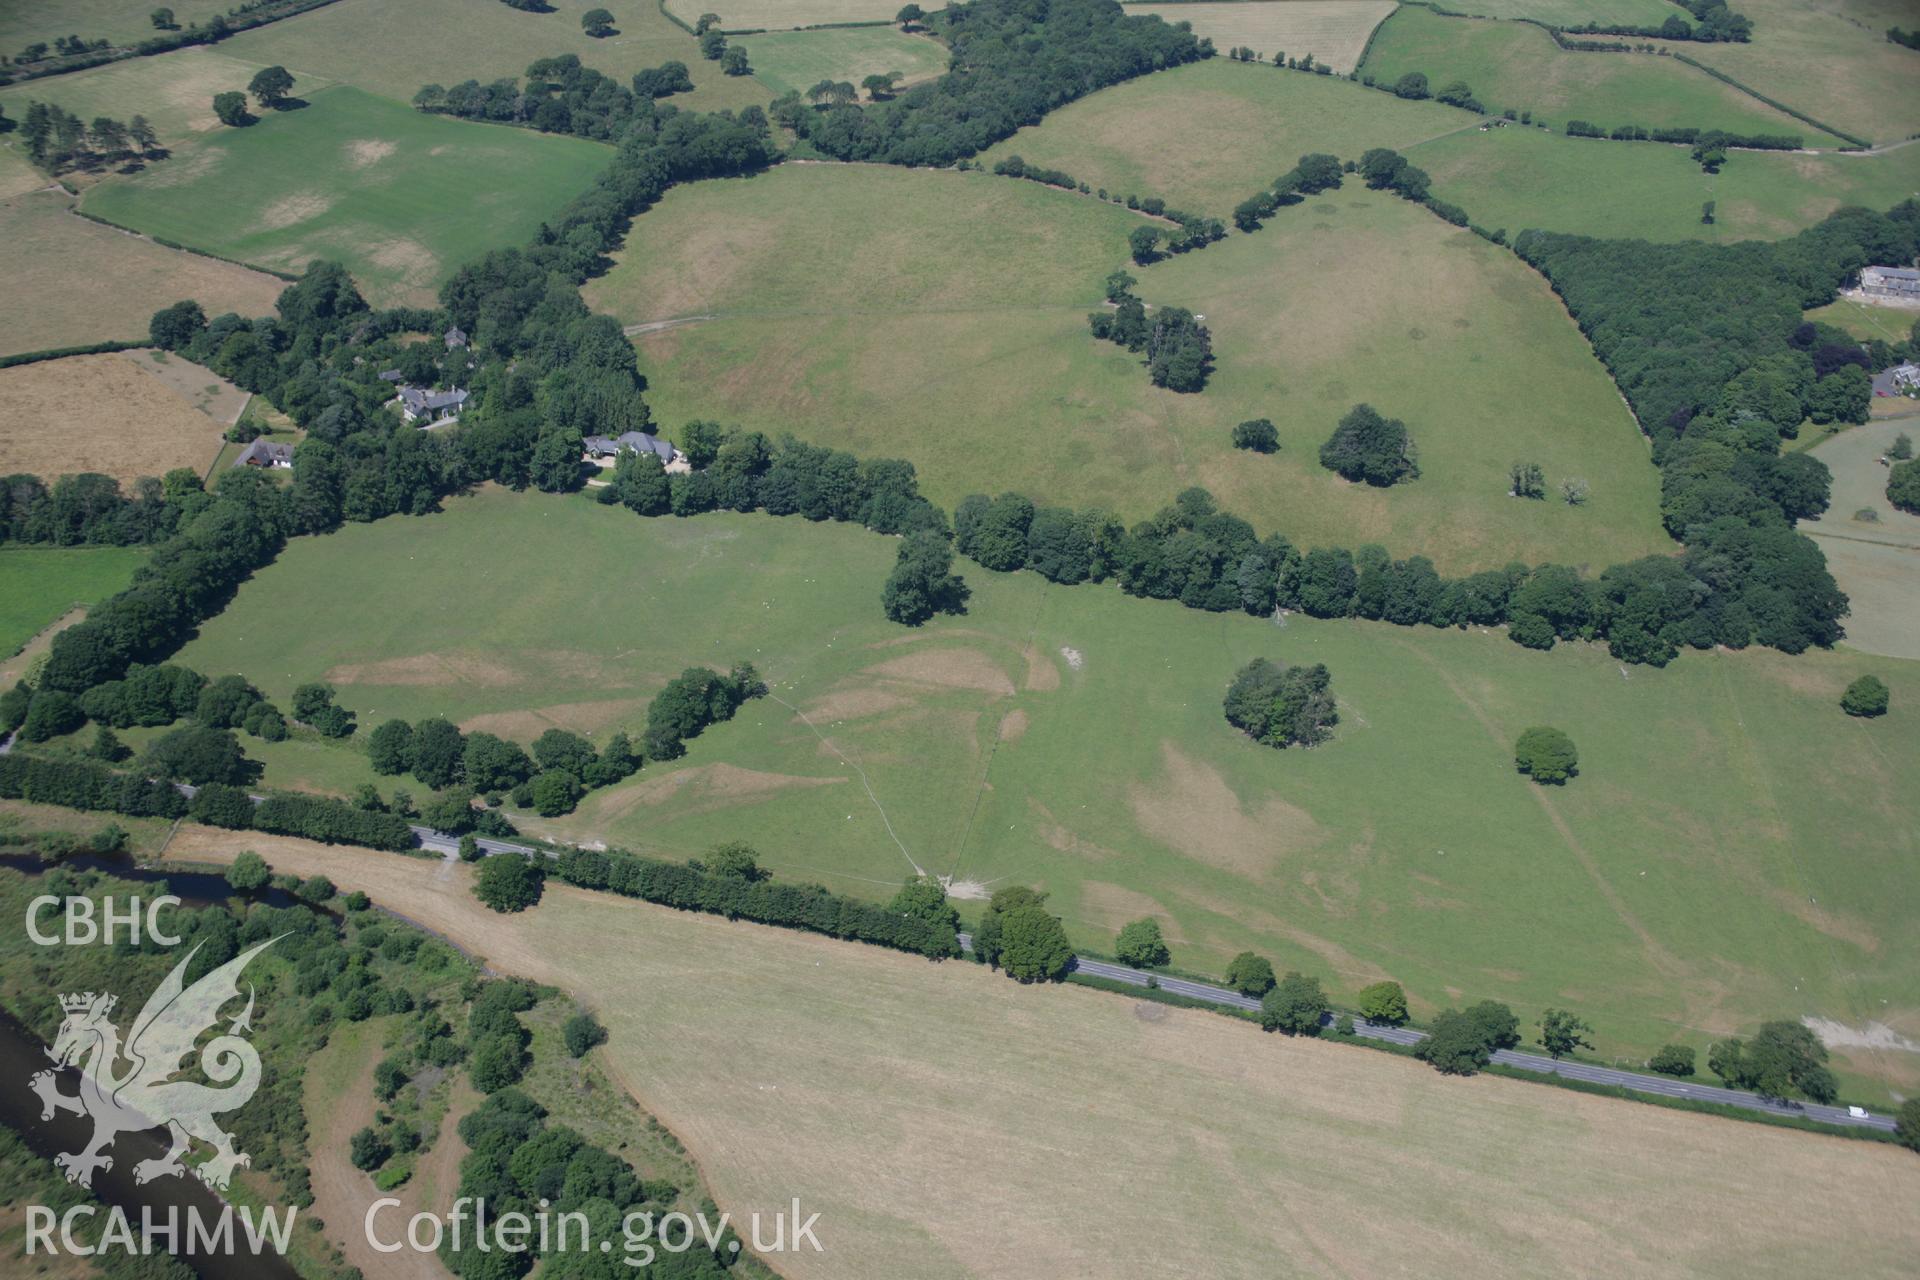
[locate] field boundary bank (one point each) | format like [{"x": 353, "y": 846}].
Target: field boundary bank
[
  {"x": 1835, "y": 1118},
  {"x": 277, "y": 274}
]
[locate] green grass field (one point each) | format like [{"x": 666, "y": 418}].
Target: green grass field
[
  {"x": 392, "y": 47},
  {"x": 1517, "y": 178},
  {"x": 1208, "y": 135},
  {"x": 1876, "y": 561},
  {"x": 977, "y": 366},
  {"x": 38, "y": 585},
  {"x": 1334, "y": 31},
  {"x": 1865, "y": 321},
  {"x": 1735, "y": 847},
  {"x": 794, "y": 61},
  {"x": 774, "y": 15},
  {"x": 400, "y": 197},
  {"x": 124, "y": 22},
  {"x": 1517, "y": 66},
  {"x": 1830, "y": 59}
]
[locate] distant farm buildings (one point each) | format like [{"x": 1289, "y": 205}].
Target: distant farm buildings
[
  {"x": 604, "y": 451},
  {"x": 1899, "y": 284}
]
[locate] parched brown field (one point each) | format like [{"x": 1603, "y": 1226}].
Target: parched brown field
[
  {"x": 1333, "y": 31},
  {"x": 71, "y": 281},
  {"x": 104, "y": 413},
  {"x": 946, "y": 1122},
  {"x": 779, "y": 15}
]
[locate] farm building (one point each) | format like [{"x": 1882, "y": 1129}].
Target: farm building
[
  {"x": 1905, "y": 378},
  {"x": 1899, "y": 283},
  {"x": 603, "y": 451},
  {"x": 426, "y": 408},
  {"x": 265, "y": 453}
]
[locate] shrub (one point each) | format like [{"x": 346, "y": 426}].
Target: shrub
[
  {"x": 581, "y": 1032},
  {"x": 248, "y": 872},
  {"x": 1547, "y": 755},
  {"x": 1371, "y": 448},
  {"x": 368, "y": 1149},
  {"x": 1866, "y": 696},
  {"x": 1672, "y": 1060}
]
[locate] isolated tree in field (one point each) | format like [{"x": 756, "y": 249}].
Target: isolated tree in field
[
  {"x": 1902, "y": 447},
  {"x": 1141, "y": 945},
  {"x": 162, "y": 20},
  {"x": 1574, "y": 491},
  {"x": 1672, "y": 1060},
  {"x": 713, "y": 45},
  {"x": 231, "y": 109},
  {"x": 597, "y": 23},
  {"x": 1250, "y": 975},
  {"x": 1706, "y": 212},
  {"x": 1561, "y": 1033},
  {"x": 1526, "y": 480},
  {"x": 248, "y": 872},
  {"x": 734, "y": 62},
  {"x": 368, "y": 1149},
  {"x": 508, "y": 883},
  {"x": 1143, "y": 243},
  {"x": 1282, "y": 706},
  {"x": 581, "y": 1032},
  {"x": 1296, "y": 1005},
  {"x": 1546, "y": 755},
  {"x": 1257, "y": 434},
  {"x": 1383, "y": 1002},
  {"x": 909, "y": 15},
  {"x": 271, "y": 86},
  {"x": 1903, "y": 487},
  {"x": 880, "y": 85},
  {"x": 1866, "y": 696},
  {"x": 1463, "y": 1040},
  {"x": 1782, "y": 1059},
  {"x": 1367, "y": 446},
  {"x": 1120, "y": 286}
]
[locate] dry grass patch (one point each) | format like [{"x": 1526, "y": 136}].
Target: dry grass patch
[
  {"x": 948, "y": 669},
  {"x": 780, "y": 15},
  {"x": 741, "y": 1039},
  {"x": 102, "y": 413},
  {"x": 1333, "y": 31},
  {"x": 1191, "y": 808},
  {"x": 75, "y": 282}
]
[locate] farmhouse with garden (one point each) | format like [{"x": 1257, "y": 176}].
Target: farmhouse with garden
[
  {"x": 424, "y": 408},
  {"x": 604, "y": 452},
  {"x": 266, "y": 453},
  {"x": 1900, "y": 284}
]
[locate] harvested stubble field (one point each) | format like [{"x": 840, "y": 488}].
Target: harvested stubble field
[
  {"x": 1206, "y": 136},
  {"x": 1071, "y": 738},
  {"x": 1334, "y": 31},
  {"x": 1337, "y": 1160},
  {"x": 975, "y": 363},
  {"x": 393, "y": 47},
  {"x": 1517, "y": 66},
  {"x": 356, "y": 178},
  {"x": 1516, "y": 178},
  {"x": 794, "y": 61},
  {"x": 111, "y": 414},
  {"x": 126, "y": 278}
]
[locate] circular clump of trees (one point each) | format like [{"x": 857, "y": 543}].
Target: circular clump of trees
[
  {"x": 1546, "y": 755},
  {"x": 1866, "y": 696},
  {"x": 1371, "y": 448}
]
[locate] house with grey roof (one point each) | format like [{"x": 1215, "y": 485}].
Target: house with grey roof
[
  {"x": 455, "y": 337},
  {"x": 604, "y": 451},
  {"x": 266, "y": 453},
  {"x": 426, "y": 408},
  {"x": 1898, "y": 284}
]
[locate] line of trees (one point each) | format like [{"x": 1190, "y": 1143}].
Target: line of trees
[
  {"x": 57, "y": 140},
  {"x": 561, "y": 96}
]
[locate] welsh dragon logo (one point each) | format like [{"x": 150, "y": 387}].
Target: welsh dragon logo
[{"x": 141, "y": 1095}]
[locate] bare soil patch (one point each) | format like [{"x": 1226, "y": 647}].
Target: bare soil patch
[
  {"x": 854, "y": 703},
  {"x": 101, "y": 413},
  {"x": 948, "y": 669},
  {"x": 1042, "y": 675},
  {"x": 1192, "y": 809},
  {"x": 428, "y": 669},
  {"x": 362, "y": 152},
  {"x": 288, "y": 211}
]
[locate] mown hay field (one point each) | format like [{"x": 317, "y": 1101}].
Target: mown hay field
[
  {"x": 1516, "y": 178},
  {"x": 393, "y": 47},
  {"x": 1338, "y": 1160},
  {"x": 79, "y": 282},
  {"x": 110, "y": 414},
  {"x": 401, "y": 198},
  {"x": 795, "y": 61},
  {"x": 1334, "y": 31},
  {"x": 40, "y": 584},
  {"x": 1516, "y": 66},
  {"x": 124, "y": 22},
  {"x": 1734, "y": 849},
  {"x": 1831, "y": 60},
  {"x": 975, "y": 363},
  {"x": 1205, "y": 136}
]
